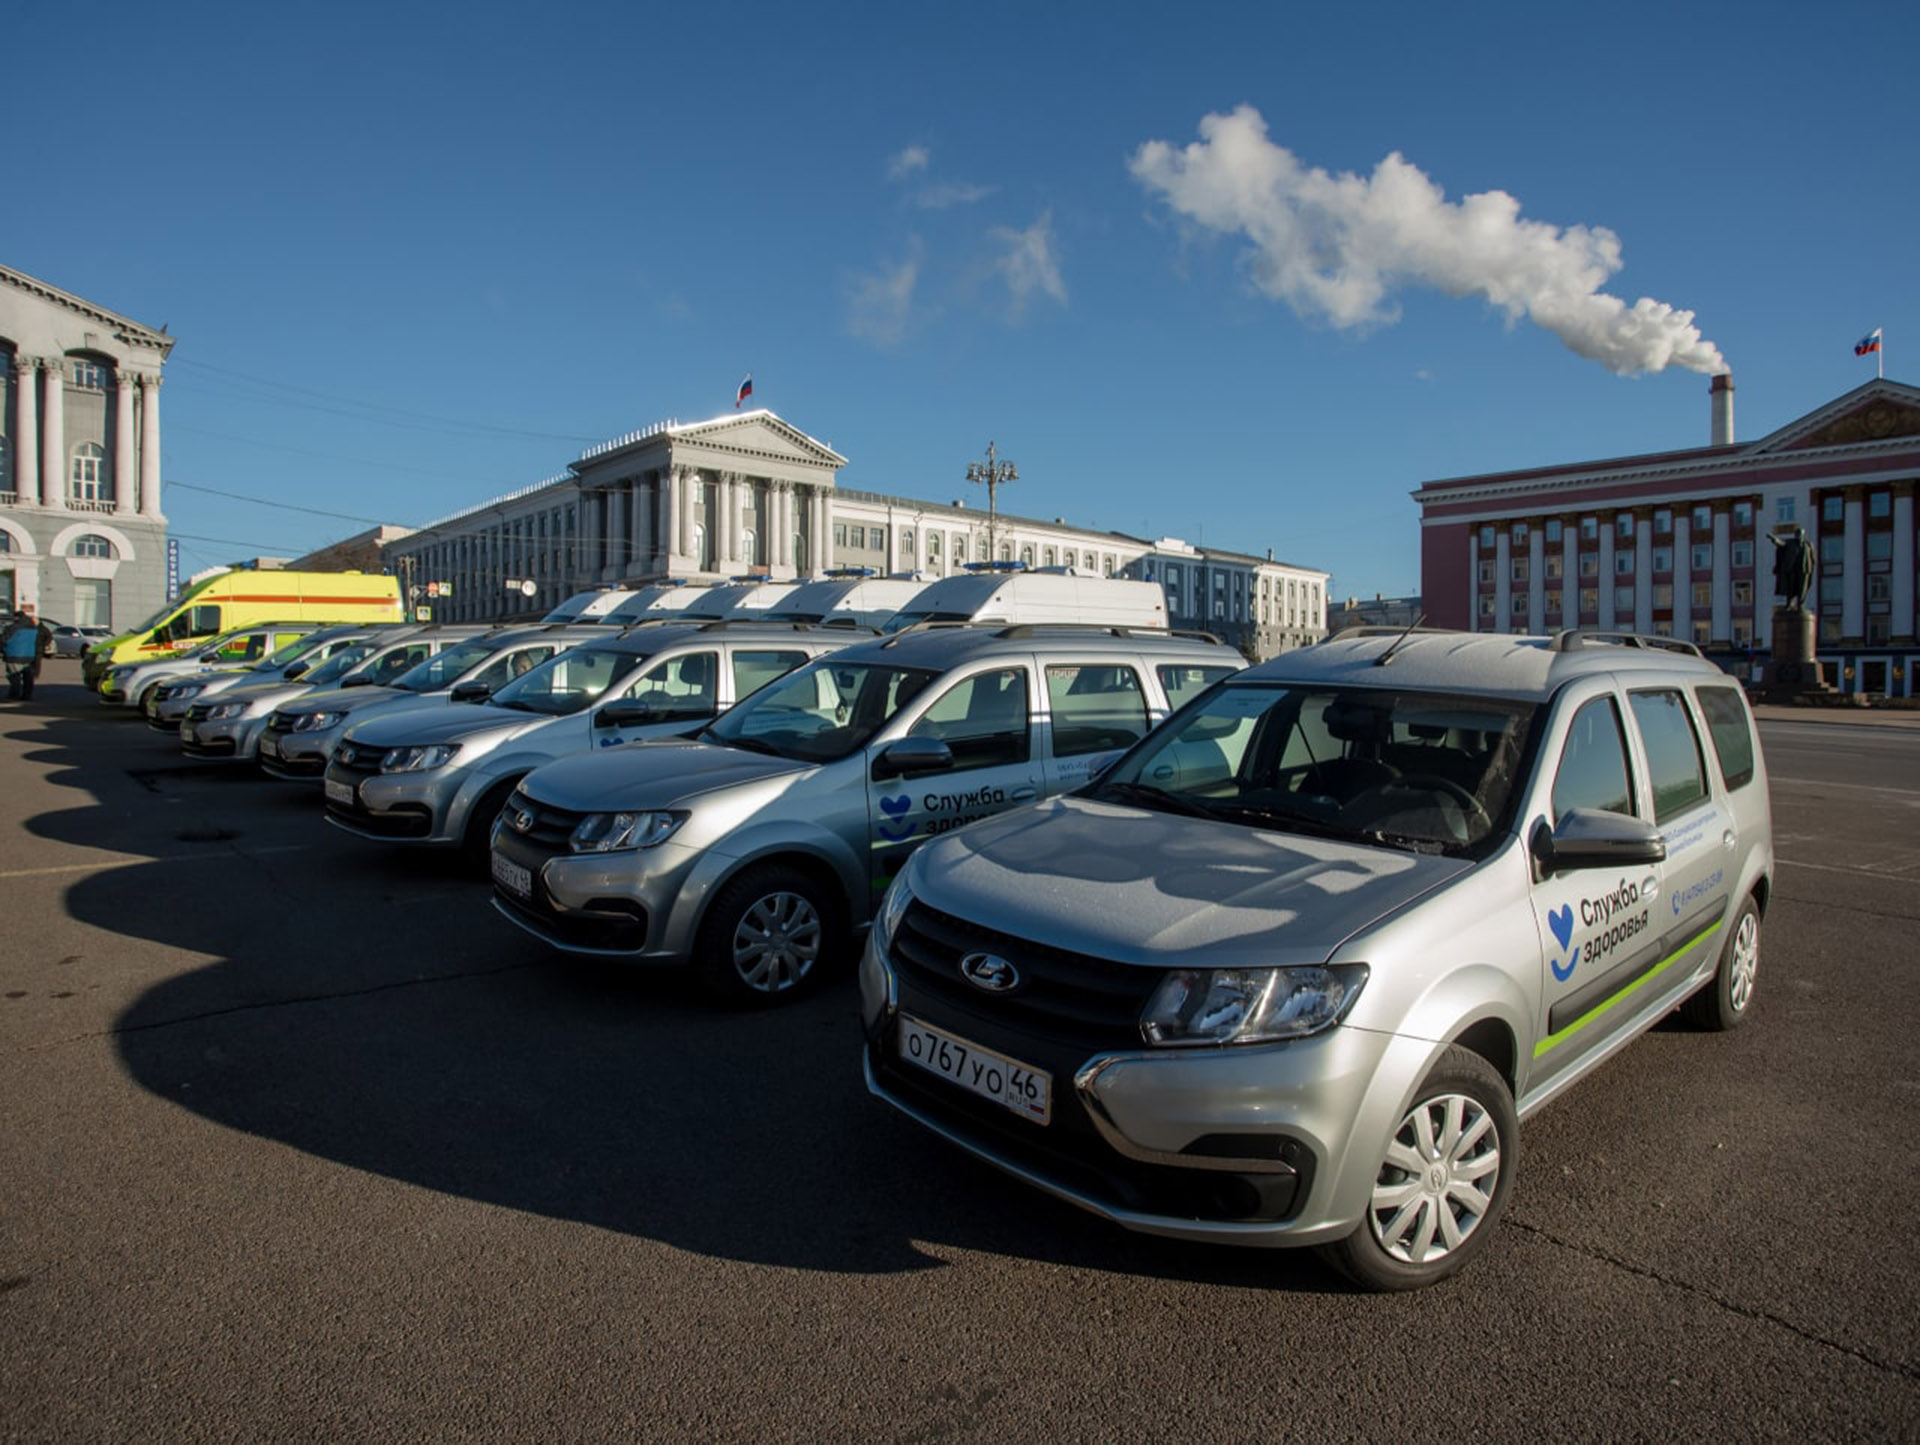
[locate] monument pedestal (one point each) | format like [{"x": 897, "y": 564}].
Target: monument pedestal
[{"x": 1794, "y": 674}]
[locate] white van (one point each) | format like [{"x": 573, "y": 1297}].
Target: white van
[
  {"x": 588, "y": 606},
  {"x": 862, "y": 601},
  {"x": 1052, "y": 595},
  {"x": 653, "y": 601},
  {"x": 738, "y": 599}
]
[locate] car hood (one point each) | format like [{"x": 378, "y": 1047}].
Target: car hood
[
  {"x": 1158, "y": 889},
  {"x": 349, "y": 699},
  {"x": 659, "y": 774},
  {"x": 454, "y": 723}
]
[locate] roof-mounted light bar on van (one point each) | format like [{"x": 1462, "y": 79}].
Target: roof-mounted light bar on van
[{"x": 1570, "y": 638}]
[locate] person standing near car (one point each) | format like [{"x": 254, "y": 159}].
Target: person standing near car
[{"x": 23, "y": 642}]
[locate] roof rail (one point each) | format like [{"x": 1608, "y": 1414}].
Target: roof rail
[
  {"x": 1570, "y": 638},
  {"x": 1383, "y": 629}
]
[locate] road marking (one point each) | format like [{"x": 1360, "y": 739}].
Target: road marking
[
  {"x": 128, "y": 860},
  {"x": 1883, "y": 870}
]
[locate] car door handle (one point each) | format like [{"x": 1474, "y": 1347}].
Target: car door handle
[{"x": 1727, "y": 840}]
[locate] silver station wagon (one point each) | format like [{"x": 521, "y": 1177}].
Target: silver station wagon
[
  {"x": 1293, "y": 969},
  {"x": 755, "y": 850}
]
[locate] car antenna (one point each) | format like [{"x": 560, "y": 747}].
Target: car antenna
[{"x": 1384, "y": 658}]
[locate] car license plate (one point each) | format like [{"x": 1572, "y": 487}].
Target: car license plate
[
  {"x": 340, "y": 792},
  {"x": 512, "y": 876},
  {"x": 187, "y": 734},
  {"x": 1025, "y": 1090},
  {"x": 269, "y": 748}
]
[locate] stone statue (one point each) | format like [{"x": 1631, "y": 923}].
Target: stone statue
[{"x": 1792, "y": 567}]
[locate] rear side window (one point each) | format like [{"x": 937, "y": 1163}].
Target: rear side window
[
  {"x": 1593, "y": 765},
  {"x": 1726, "y": 718},
  {"x": 1673, "y": 751},
  {"x": 754, "y": 670},
  {"x": 1096, "y": 708},
  {"x": 1181, "y": 681}
]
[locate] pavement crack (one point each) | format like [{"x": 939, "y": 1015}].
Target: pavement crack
[{"x": 1759, "y": 1316}]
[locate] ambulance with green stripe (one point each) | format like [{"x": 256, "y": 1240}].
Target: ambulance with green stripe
[
  {"x": 243, "y": 597},
  {"x": 1292, "y": 970}
]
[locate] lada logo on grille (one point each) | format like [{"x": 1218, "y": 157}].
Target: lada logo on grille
[
  {"x": 989, "y": 971},
  {"x": 519, "y": 819}
]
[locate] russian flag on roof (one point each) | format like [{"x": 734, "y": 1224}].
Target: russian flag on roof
[
  {"x": 1869, "y": 342},
  {"x": 746, "y": 390}
]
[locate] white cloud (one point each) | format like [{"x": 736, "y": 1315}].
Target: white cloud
[
  {"x": 1338, "y": 246},
  {"x": 953, "y": 193},
  {"x": 880, "y": 304},
  {"x": 1027, "y": 262},
  {"x": 910, "y": 160}
]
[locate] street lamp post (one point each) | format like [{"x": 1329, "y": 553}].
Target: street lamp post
[{"x": 992, "y": 473}]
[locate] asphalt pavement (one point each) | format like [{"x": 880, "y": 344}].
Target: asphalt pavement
[{"x": 299, "y": 1140}]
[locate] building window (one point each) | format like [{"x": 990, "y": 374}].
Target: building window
[
  {"x": 1743, "y": 554},
  {"x": 1486, "y": 569},
  {"x": 1554, "y": 530},
  {"x": 1833, "y": 508},
  {"x": 1553, "y": 601},
  {"x": 1702, "y": 634},
  {"x": 906, "y": 543},
  {"x": 1701, "y": 557},
  {"x": 1069, "y": 558},
  {"x": 1663, "y": 559},
  {"x": 92, "y": 545},
  {"x": 839, "y": 534},
  {"x": 90, "y": 374},
  {"x": 1702, "y": 594},
  {"x": 1663, "y": 597},
  {"x": 1703, "y": 519},
  {"x": 877, "y": 538},
  {"x": 1879, "y": 504},
  {"x": 1879, "y": 546},
  {"x": 1589, "y": 599},
  {"x": 1877, "y": 631},
  {"x": 1519, "y": 531},
  {"x": 6, "y": 541},
  {"x": 1622, "y": 600},
  {"x": 1783, "y": 510},
  {"x": 88, "y": 461},
  {"x": 1623, "y": 563},
  {"x": 1663, "y": 520},
  {"x": 1833, "y": 549},
  {"x": 1554, "y": 564},
  {"x": 1589, "y": 564},
  {"x": 857, "y": 537},
  {"x": 1879, "y": 588},
  {"x": 1519, "y": 569},
  {"x": 1486, "y": 538},
  {"x": 1743, "y": 516},
  {"x": 1743, "y": 634},
  {"x": 1623, "y": 525},
  {"x": 933, "y": 546},
  {"x": 1743, "y": 593},
  {"x": 1590, "y": 528},
  {"x": 1831, "y": 589},
  {"x": 1486, "y": 604},
  {"x": 959, "y": 549}
]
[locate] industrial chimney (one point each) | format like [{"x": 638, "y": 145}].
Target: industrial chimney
[{"x": 1720, "y": 396}]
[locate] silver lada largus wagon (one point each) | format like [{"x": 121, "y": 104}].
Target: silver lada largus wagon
[{"x": 1292, "y": 970}]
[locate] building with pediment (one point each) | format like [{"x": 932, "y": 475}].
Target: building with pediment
[
  {"x": 82, "y": 536},
  {"x": 751, "y": 495},
  {"x": 1680, "y": 543}
]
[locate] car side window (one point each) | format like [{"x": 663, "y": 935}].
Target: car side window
[
  {"x": 503, "y": 670},
  {"x": 1096, "y": 708},
  {"x": 754, "y": 670},
  {"x": 983, "y": 719},
  {"x": 399, "y": 660},
  {"x": 680, "y": 687},
  {"x": 1593, "y": 764},
  {"x": 1181, "y": 681},
  {"x": 1673, "y": 750},
  {"x": 1732, "y": 736}
]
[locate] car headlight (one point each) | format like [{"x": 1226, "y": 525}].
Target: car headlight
[
  {"x": 313, "y": 722},
  {"x": 418, "y": 759},
  {"x": 173, "y": 692},
  {"x": 620, "y": 832},
  {"x": 119, "y": 673},
  {"x": 893, "y": 908},
  {"x": 226, "y": 709},
  {"x": 1249, "y": 1005}
]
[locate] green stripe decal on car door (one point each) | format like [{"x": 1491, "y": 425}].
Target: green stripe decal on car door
[{"x": 1555, "y": 1040}]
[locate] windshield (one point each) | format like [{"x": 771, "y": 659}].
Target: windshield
[
  {"x": 825, "y": 711},
  {"x": 1435, "y": 772},
  {"x": 567, "y": 682},
  {"x": 292, "y": 652},
  {"x": 444, "y": 666},
  {"x": 336, "y": 666},
  {"x": 901, "y": 621}
]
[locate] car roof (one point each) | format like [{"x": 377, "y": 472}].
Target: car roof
[
  {"x": 946, "y": 644},
  {"x": 1522, "y": 667},
  {"x": 646, "y": 638}
]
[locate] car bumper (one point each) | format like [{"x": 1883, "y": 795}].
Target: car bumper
[
  {"x": 297, "y": 757},
  {"x": 223, "y": 739},
  {"x": 388, "y": 807},
  {"x": 615, "y": 905},
  {"x": 1270, "y": 1145}
]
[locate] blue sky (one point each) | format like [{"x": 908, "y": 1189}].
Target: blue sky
[{"x": 417, "y": 256}]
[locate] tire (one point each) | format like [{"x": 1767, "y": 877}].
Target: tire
[
  {"x": 1431, "y": 1210},
  {"x": 476, "y": 839},
  {"x": 767, "y": 938},
  {"x": 1725, "y": 1003}
]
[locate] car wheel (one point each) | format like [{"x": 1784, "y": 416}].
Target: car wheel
[
  {"x": 766, "y": 938},
  {"x": 477, "y": 840},
  {"x": 1725, "y": 1003},
  {"x": 1443, "y": 1182}
]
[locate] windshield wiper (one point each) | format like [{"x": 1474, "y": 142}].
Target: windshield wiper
[
  {"x": 1148, "y": 796},
  {"x": 1404, "y": 841},
  {"x": 752, "y": 745}
]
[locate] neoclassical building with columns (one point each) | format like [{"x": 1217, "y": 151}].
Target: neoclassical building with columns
[
  {"x": 1681, "y": 543},
  {"x": 751, "y": 495},
  {"x": 82, "y": 536}
]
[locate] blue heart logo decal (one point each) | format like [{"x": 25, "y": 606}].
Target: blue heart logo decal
[
  {"x": 1561, "y": 922},
  {"x": 896, "y": 807},
  {"x": 1563, "y": 974}
]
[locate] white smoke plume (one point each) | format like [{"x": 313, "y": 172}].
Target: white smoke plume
[{"x": 1339, "y": 246}]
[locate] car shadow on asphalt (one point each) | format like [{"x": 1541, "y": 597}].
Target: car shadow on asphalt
[{"x": 367, "y": 1006}]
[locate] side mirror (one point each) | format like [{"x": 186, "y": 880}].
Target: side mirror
[
  {"x": 1590, "y": 838},
  {"x": 471, "y": 692},
  {"x": 358, "y": 680},
  {"x": 908, "y": 756},
  {"x": 626, "y": 712},
  {"x": 296, "y": 669}
]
